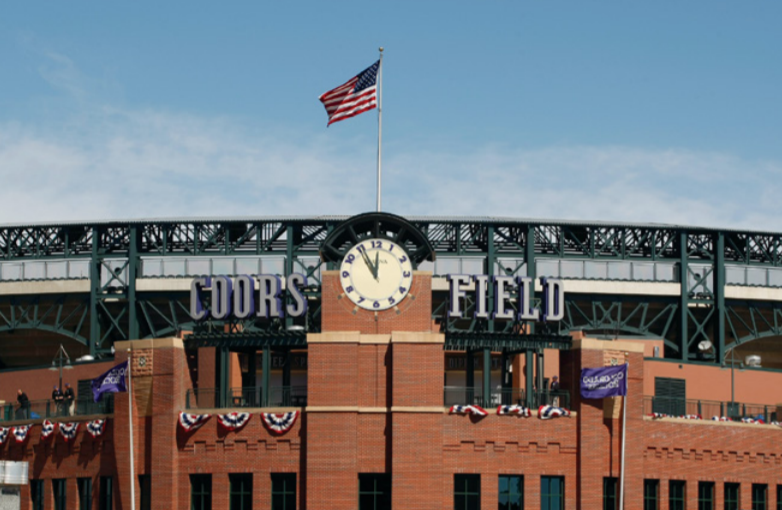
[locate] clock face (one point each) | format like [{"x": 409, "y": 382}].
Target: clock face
[{"x": 376, "y": 274}]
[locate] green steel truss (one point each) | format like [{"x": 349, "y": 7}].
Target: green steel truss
[{"x": 115, "y": 310}]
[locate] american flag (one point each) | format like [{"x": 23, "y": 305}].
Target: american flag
[{"x": 356, "y": 96}]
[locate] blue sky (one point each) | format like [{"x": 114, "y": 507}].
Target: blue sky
[{"x": 658, "y": 111}]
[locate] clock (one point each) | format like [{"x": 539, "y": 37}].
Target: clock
[{"x": 376, "y": 274}]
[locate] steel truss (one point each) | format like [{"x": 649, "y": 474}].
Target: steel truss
[{"x": 115, "y": 310}]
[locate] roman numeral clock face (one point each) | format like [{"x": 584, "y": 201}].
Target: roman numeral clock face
[{"x": 376, "y": 274}]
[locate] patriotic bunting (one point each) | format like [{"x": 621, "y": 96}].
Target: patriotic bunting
[
  {"x": 548, "y": 412},
  {"x": 20, "y": 432},
  {"x": 720, "y": 418},
  {"x": 47, "y": 429},
  {"x": 752, "y": 420},
  {"x": 3, "y": 434},
  {"x": 191, "y": 422},
  {"x": 233, "y": 421},
  {"x": 279, "y": 423},
  {"x": 474, "y": 410},
  {"x": 657, "y": 416},
  {"x": 96, "y": 427},
  {"x": 514, "y": 410},
  {"x": 68, "y": 430}
]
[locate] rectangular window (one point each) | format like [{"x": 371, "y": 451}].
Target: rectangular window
[
  {"x": 467, "y": 492},
  {"x": 85, "y": 493},
  {"x": 705, "y": 495},
  {"x": 58, "y": 490},
  {"x": 374, "y": 491},
  {"x": 779, "y": 497},
  {"x": 241, "y": 491},
  {"x": 552, "y": 492},
  {"x": 759, "y": 496},
  {"x": 283, "y": 491},
  {"x": 670, "y": 396},
  {"x": 145, "y": 487},
  {"x": 37, "y": 494},
  {"x": 651, "y": 494},
  {"x": 677, "y": 493},
  {"x": 200, "y": 492},
  {"x": 511, "y": 492},
  {"x": 732, "y": 496},
  {"x": 106, "y": 492},
  {"x": 610, "y": 494}
]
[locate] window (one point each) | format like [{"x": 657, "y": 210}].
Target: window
[
  {"x": 36, "y": 494},
  {"x": 374, "y": 491},
  {"x": 676, "y": 494},
  {"x": 651, "y": 494},
  {"x": 200, "y": 492},
  {"x": 467, "y": 492},
  {"x": 106, "y": 492},
  {"x": 759, "y": 496},
  {"x": 241, "y": 491},
  {"x": 283, "y": 491},
  {"x": 511, "y": 493},
  {"x": 145, "y": 487},
  {"x": 610, "y": 494},
  {"x": 58, "y": 489},
  {"x": 705, "y": 495},
  {"x": 552, "y": 493},
  {"x": 85, "y": 493},
  {"x": 779, "y": 497},
  {"x": 669, "y": 396},
  {"x": 732, "y": 496}
]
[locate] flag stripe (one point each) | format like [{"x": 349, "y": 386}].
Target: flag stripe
[{"x": 357, "y": 95}]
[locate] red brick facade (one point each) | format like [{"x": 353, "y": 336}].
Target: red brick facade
[{"x": 375, "y": 405}]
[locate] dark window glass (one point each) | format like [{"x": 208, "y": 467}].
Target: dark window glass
[
  {"x": 610, "y": 494},
  {"x": 106, "y": 492},
  {"x": 731, "y": 496},
  {"x": 552, "y": 492},
  {"x": 374, "y": 491},
  {"x": 145, "y": 487},
  {"x": 241, "y": 491},
  {"x": 37, "y": 494},
  {"x": 283, "y": 491},
  {"x": 677, "y": 490},
  {"x": 85, "y": 493},
  {"x": 467, "y": 492},
  {"x": 705, "y": 495},
  {"x": 669, "y": 396},
  {"x": 58, "y": 489},
  {"x": 511, "y": 493},
  {"x": 779, "y": 497},
  {"x": 200, "y": 492},
  {"x": 759, "y": 496},
  {"x": 651, "y": 494}
]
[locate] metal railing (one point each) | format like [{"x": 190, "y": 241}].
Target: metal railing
[
  {"x": 460, "y": 395},
  {"x": 709, "y": 408},
  {"x": 39, "y": 409},
  {"x": 252, "y": 396}
]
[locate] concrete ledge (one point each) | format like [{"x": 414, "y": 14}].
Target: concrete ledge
[
  {"x": 332, "y": 409},
  {"x": 82, "y": 418},
  {"x": 403, "y": 337},
  {"x": 336, "y": 337},
  {"x": 150, "y": 343},
  {"x": 362, "y": 410},
  {"x": 375, "y": 339},
  {"x": 764, "y": 426},
  {"x": 607, "y": 345},
  {"x": 251, "y": 410},
  {"x": 405, "y": 409}
]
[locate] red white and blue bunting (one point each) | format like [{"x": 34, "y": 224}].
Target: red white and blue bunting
[
  {"x": 96, "y": 427},
  {"x": 548, "y": 412},
  {"x": 47, "y": 429},
  {"x": 720, "y": 418},
  {"x": 752, "y": 420},
  {"x": 657, "y": 416},
  {"x": 233, "y": 421},
  {"x": 473, "y": 410},
  {"x": 279, "y": 423},
  {"x": 191, "y": 422},
  {"x": 68, "y": 430},
  {"x": 20, "y": 432},
  {"x": 514, "y": 410},
  {"x": 3, "y": 434}
]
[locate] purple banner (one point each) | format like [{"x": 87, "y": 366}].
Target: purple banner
[
  {"x": 110, "y": 382},
  {"x": 604, "y": 382}
]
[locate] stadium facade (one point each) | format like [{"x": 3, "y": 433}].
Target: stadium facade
[{"x": 386, "y": 362}]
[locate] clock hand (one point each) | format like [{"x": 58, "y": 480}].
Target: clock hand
[
  {"x": 367, "y": 261},
  {"x": 377, "y": 264}
]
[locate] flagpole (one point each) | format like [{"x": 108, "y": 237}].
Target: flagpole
[
  {"x": 624, "y": 435},
  {"x": 379, "y": 122},
  {"x": 130, "y": 422}
]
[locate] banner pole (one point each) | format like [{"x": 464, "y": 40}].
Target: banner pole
[
  {"x": 379, "y": 122},
  {"x": 624, "y": 435},
  {"x": 130, "y": 422}
]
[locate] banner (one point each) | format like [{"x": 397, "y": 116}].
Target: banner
[
  {"x": 604, "y": 382},
  {"x": 190, "y": 422},
  {"x": 110, "y": 382},
  {"x": 96, "y": 428},
  {"x": 279, "y": 423}
]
